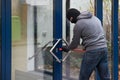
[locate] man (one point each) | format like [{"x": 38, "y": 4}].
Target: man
[{"x": 89, "y": 29}]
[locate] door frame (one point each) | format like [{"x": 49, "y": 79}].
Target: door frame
[
  {"x": 115, "y": 43},
  {"x": 114, "y": 18},
  {"x": 6, "y": 39},
  {"x": 57, "y": 34}
]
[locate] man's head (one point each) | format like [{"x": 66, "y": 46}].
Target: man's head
[{"x": 72, "y": 15}]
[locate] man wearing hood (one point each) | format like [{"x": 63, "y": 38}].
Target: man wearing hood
[{"x": 90, "y": 30}]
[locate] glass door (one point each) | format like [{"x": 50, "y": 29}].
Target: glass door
[
  {"x": 32, "y": 29},
  {"x": 71, "y": 66},
  {"x": 37, "y": 25}
]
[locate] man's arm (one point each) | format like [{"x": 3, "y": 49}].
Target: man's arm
[{"x": 76, "y": 38}]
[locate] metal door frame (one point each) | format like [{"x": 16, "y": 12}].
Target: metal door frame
[
  {"x": 57, "y": 11},
  {"x": 114, "y": 17},
  {"x": 115, "y": 38},
  {"x": 6, "y": 40},
  {"x": 57, "y": 34}
]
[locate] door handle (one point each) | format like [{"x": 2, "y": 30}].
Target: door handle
[
  {"x": 65, "y": 57},
  {"x": 51, "y": 51}
]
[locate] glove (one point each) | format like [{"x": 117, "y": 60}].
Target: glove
[{"x": 65, "y": 49}]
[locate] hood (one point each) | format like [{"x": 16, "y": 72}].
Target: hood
[{"x": 85, "y": 15}]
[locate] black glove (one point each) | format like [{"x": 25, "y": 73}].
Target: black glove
[{"x": 65, "y": 49}]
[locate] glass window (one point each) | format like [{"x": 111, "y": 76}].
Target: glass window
[
  {"x": 108, "y": 28},
  {"x": 32, "y": 28},
  {"x": 71, "y": 66}
]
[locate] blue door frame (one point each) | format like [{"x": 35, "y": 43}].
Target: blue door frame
[
  {"x": 99, "y": 14},
  {"x": 57, "y": 70},
  {"x": 115, "y": 38},
  {"x": 6, "y": 39},
  {"x": 57, "y": 34}
]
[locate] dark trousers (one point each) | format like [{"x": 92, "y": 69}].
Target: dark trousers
[{"x": 95, "y": 59}]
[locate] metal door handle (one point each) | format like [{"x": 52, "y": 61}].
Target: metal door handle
[
  {"x": 51, "y": 51},
  {"x": 66, "y": 56}
]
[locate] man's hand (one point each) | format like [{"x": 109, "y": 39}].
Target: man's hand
[{"x": 65, "y": 49}]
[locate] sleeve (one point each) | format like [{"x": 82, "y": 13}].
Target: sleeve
[{"x": 76, "y": 38}]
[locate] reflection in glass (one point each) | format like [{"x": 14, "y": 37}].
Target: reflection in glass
[
  {"x": 44, "y": 35},
  {"x": 31, "y": 30}
]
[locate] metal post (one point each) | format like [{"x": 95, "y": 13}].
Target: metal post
[
  {"x": 115, "y": 38},
  {"x": 3, "y": 40},
  {"x": 35, "y": 33},
  {"x": 67, "y": 62},
  {"x": 6, "y": 39},
  {"x": 99, "y": 9},
  {"x": 99, "y": 14},
  {"x": 57, "y": 34}
]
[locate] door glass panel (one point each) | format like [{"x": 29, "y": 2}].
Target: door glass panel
[
  {"x": 71, "y": 66},
  {"x": 32, "y": 28},
  {"x": 108, "y": 28}
]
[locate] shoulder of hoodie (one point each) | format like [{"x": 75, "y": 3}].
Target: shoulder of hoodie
[
  {"x": 84, "y": 15},
  {"x": 79, "y": 26},
  {"x": 81, "y": 22}
]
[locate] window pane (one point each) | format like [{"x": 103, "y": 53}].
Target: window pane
[
  {"x": 71, "y": 65},
  {"x": 32, "y": 25},
  {"x": 107, "y": 27}
]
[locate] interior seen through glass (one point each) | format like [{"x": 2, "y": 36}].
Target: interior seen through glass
[{"x": 32, "y": 29}]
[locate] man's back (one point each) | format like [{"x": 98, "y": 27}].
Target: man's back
[{"x": 91, "y": 31}]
